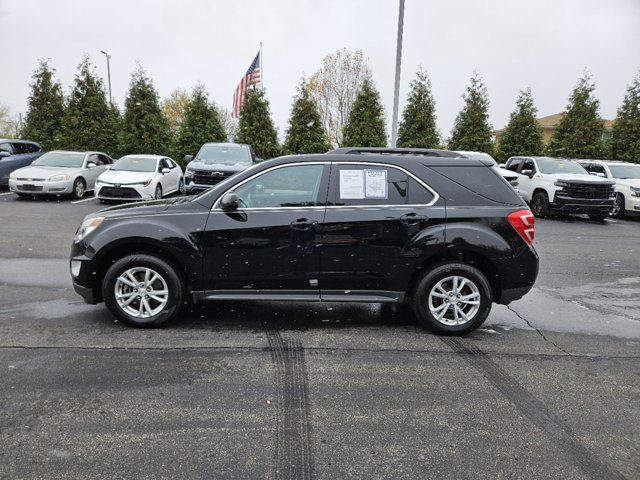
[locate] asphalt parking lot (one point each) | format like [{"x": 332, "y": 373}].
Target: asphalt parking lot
[{"x": 549, "y": 388}]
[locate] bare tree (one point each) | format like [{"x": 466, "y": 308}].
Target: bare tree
[
  {"x": 334, "y": 88},
  {"x": 8, "y": 124},
  {"x": 229, "y": 123}
]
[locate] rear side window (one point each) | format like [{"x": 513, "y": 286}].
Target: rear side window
[
  {"x": 362, "y": 185},
  {"x": 484, "y": 181}
]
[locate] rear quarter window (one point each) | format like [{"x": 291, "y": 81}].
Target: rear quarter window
[{"x": 483, "y": 181}]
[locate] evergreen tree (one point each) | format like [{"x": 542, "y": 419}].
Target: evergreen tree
[
  {"x": 43, "y": 122},
  {"x": 306, "y": 133},
  {"x": 255, "y": 126},
  {"x": 625, "y": 137},
  {"x": 523, "y": 135},
  {"x": 200, "y": 124},
  {"x": 144, "y": 126},
  {"x": 89, "y": 122},
  {"x": 365, "y": 125},
  {"x": 471, "y": 130},
  {"x": 418, "y": 126},
  {"x": 579, "y": 132}
]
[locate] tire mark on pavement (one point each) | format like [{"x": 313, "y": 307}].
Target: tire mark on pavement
[
  {"x": 554, "y": 427},
  {"x": 293, "y": 443}
]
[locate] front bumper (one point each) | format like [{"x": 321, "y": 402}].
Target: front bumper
[
  {"x": 128, "y": 193},
  {"x": 562, "y": 204},
  {"x": 82, "y": 271},
  {"x": 41, "y": 188},
  {"x": 192, "y": 187}
]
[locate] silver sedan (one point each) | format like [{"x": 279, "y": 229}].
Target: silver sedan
[{"x": 60, "y": 173}]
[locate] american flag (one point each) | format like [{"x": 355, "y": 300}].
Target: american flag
[{"x": 252, "y": 77}]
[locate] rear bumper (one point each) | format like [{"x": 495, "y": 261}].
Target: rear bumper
[{"x": 581, "y": 205}]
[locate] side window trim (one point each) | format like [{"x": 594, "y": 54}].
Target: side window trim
[{"x": 436, "y": 196}]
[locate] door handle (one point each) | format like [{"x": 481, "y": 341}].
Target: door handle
[
  {"x": 303, "y": 224},
  {"x": 412, "y": 218}
]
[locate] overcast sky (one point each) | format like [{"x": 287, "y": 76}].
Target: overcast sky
[{"x": 544, "y": 44}]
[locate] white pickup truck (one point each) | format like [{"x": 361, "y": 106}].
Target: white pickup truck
[
  {"x": 558, "y": 185},
  {"x": 627, "y": 178}
]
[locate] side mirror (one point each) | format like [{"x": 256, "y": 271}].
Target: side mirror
[
  {"x": 229, "y": 201},
  {"x": 598, "y": 174},
  {"x": 91, "y": 165},
  {"x": 4, "y": 154},
  {"x": 527, "y": 173},
  {"x": 188, "y": 158},
  {"x": 165, "y": 170},
  {"x": 502, "y": 165},
  {"x": 108, "y": 167}
]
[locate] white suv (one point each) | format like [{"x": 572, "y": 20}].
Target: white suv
[
  {"x": 557, "y": 185},
  {"x": 627, "y": 178}
]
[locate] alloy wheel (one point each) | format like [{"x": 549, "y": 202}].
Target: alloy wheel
[
  {"x": 79, "y": 189},
  {"x": 141, "y": 292},
  {"x": 618, "y": 206},
  {"x": 454, "y": 300}
]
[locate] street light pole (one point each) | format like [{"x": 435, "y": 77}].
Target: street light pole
[
  {"x": 396, "y": 91},
  {"x": 108, "y": 74}
]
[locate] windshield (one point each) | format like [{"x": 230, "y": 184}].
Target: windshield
[
  {"x": 625, "y": 171},
  {"x": 552, "y": 165},
  {"x": 60, "y": 159},
  {"x": 135, "y": 164},
  {"x": 224, "y": 154}
]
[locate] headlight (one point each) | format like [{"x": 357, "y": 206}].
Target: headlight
[
  {"x": 98, "y": 182},
  {"x": 12, "y": 174},
  {"x": 59, "y": 178},
  {"x": 87, "y": 227},
  {"x": 560, "y": 183},
  {"x": 635, "y": 191}
]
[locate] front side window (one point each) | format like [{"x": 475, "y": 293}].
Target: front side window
[
  {"x": 61, "y": 159},
  {"x": 295, "y": 186},
  {"x": 23, "y": 147},
  {"x": 361, "y": 185},
  {"x": 513, "y": 164},
  {"x": 528, "y": 165}
]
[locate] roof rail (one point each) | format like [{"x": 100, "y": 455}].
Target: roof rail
[{"x": 423, "y": 152}]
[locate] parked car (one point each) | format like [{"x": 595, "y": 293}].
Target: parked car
[
  {"x": 16, "y": 154},
  {"x": 446, "y": 236},
  {"x": 60, "y": 173},
  {"x": 508, "y": 175},
  {"x": 140, "y": 177},
  {"x": 216, "y": 162},
  {"x": 559, "y": 185},
  {"x": 627, "y": 178}
]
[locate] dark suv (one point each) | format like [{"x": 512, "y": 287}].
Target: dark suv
[
  {"x": 448, "y": 236},
  {"x": 15, "y": 154}
]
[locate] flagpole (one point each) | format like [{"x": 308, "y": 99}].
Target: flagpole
[{"x": 261, "y": 68}]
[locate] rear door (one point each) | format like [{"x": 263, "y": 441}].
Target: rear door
[{"x": 373, "y": 236}]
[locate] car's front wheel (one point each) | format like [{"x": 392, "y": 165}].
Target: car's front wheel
[
  {"x": 618, "y": 206},
  {"x": 540, "y": 205},
  {"x": 158, "y": 193},
  {"x": 79, "y": 188},
  {"x": 142, "y": 290},
  {"x": 452, "y": 298}
]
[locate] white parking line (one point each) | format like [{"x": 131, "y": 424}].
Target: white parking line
[
  {"x": 6, "y": 193},
  {"x": 84, "y": 200}
]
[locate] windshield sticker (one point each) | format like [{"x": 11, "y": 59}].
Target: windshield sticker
[
  {"x": 375, "y": 182},
  {"x": 351, "y": 184}
]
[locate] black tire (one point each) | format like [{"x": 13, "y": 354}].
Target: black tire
[
  {"x": 619, "y": 207},
  {"x": 181, "y": 187},
  {"x": 540, "y": 205},
  {"x": 79, "y": 188},
  {"x": 429, "y": 281},
  {"x": 158, "y": 193},
  {"x": 164, "y": 269}
]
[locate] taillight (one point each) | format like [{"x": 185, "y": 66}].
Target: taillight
[{"x": 523, "y": 222}]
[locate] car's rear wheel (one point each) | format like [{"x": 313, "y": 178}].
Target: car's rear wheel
[
  {"x": 618, "y": 206},
  {"x": 142, "y": 290},
  {"x": 79, "y": 188},
  {"x": 158, "y": 194},
  {"x": 540, "y": 205},
  {"x": 453, "y": 298}
]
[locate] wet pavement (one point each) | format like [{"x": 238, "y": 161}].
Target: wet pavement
[{"x": 549, "y": 387}]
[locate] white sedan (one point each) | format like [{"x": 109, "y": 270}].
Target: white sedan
[{"x": 140, "y": 177}]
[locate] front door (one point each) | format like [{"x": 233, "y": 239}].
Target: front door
[
  {"x": 269, "y": 245},
  {"x": 376, "y": 231}
]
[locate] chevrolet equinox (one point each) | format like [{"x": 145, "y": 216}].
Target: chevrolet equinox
[{"x": 442, "y": 234}]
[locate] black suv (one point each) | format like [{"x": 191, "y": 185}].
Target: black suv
[{"x": 446, "y": 235}]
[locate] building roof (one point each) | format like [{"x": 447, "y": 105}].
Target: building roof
[{"x": 552, "y": 121}]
